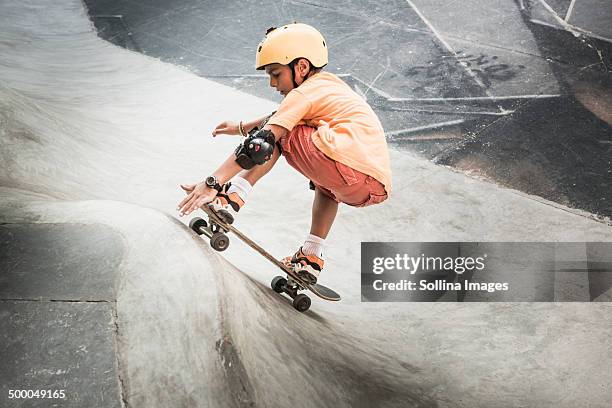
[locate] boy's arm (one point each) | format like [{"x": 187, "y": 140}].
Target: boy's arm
[
  {"x": 230, "y": 167},
  {"x": 233, "y": 128},
  {"x": 200, "y": 194},
  {"x": 278, "y": 131},
  {"x": 257, "y": 123},
  {"x": 248, "y": 126}
]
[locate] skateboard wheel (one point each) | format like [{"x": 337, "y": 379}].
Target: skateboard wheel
[
  {"x": 219, "y": 241},
  {"x": 226, "y": 216},
  {"x": 196, "y": 224},
  {"x": 301, "y": 302},
  {"x": 278, "y": 283}
]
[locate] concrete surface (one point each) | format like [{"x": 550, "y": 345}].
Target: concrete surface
[
  {"x": 94, "y": 142},
  {"x": 150, "y": 337},
  {"x": 449, "y": 80}
]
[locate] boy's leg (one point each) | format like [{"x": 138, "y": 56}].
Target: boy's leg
[
  {"x": 324, "y": 210},
  {"x": 309, "y": 256}
]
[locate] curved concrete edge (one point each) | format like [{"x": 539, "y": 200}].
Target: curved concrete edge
[
  {"x": 421, "y": 355},
  {"x": 193, "y": 330},
  {"x": 314, "y": 359},
  {"x": 168, "y": 325}
]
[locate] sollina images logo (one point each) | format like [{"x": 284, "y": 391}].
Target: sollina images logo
[
  {"x": 423, "y": 264},
  {"x": 486, "y": 271}
]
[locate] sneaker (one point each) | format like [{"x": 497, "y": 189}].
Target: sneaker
[
  {"x": 223, "y": 200},
  {"x": 307, "y": 267}
]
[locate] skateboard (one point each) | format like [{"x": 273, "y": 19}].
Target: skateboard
[{"x": 216, "y": 229}]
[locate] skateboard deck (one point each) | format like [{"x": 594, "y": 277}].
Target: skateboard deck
[{"x": 219, "y": 223}]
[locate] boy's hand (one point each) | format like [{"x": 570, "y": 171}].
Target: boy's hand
[
  {"x": 226, "y": 128},
  {"x": 197, "y": 196}
]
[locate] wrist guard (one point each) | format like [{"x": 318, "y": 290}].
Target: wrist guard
[{"x": 256, "y": 148}]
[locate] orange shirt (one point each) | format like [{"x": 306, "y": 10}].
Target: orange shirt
[{"x": 348, "y": 130}]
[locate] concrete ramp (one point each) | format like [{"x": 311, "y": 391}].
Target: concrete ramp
[
  {"x": 136, "y": 310},
  {"x": 121, "y": 305},
  {"x": 113, "y": 303},
  {"x": 105, "y": 295},
  {"x": 313, "y": 359}
]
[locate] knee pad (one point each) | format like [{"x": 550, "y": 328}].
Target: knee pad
[{"x": 256, "y": 148}]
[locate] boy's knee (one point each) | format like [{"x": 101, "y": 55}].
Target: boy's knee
[{"x": 374, "y": 192}]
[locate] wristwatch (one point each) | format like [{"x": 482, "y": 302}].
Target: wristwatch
[{"x": 211, "y": 181}]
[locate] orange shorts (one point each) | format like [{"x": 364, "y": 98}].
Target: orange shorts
[{"x": 334, "y": 179}]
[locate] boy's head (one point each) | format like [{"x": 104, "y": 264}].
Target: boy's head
[{"x": 290, "y": 54}]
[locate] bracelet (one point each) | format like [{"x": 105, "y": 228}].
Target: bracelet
[{"x": 241, "y": 129}]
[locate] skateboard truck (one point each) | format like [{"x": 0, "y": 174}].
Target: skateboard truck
[
  {"x": 289, "y": 286},
  {"x": 220, "y": 223},
  {"x": 217, "y": 234}
]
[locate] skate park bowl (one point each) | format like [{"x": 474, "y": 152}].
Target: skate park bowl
[{"x": 107, "y": 295}]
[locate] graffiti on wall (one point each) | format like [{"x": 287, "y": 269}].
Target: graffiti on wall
[{"x": 486, "y": 68}]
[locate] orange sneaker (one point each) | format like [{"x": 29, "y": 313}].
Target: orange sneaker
[{"x": 307, "y": 267}]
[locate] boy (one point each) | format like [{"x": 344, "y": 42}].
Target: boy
[{"x": 323, "y": 128}]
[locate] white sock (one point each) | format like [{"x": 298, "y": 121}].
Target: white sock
[
  {"x": 240, "y": 186},
  {"x": 313, "y": 246}
]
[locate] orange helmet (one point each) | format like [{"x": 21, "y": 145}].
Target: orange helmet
[{"x": 285, "y": 44}]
